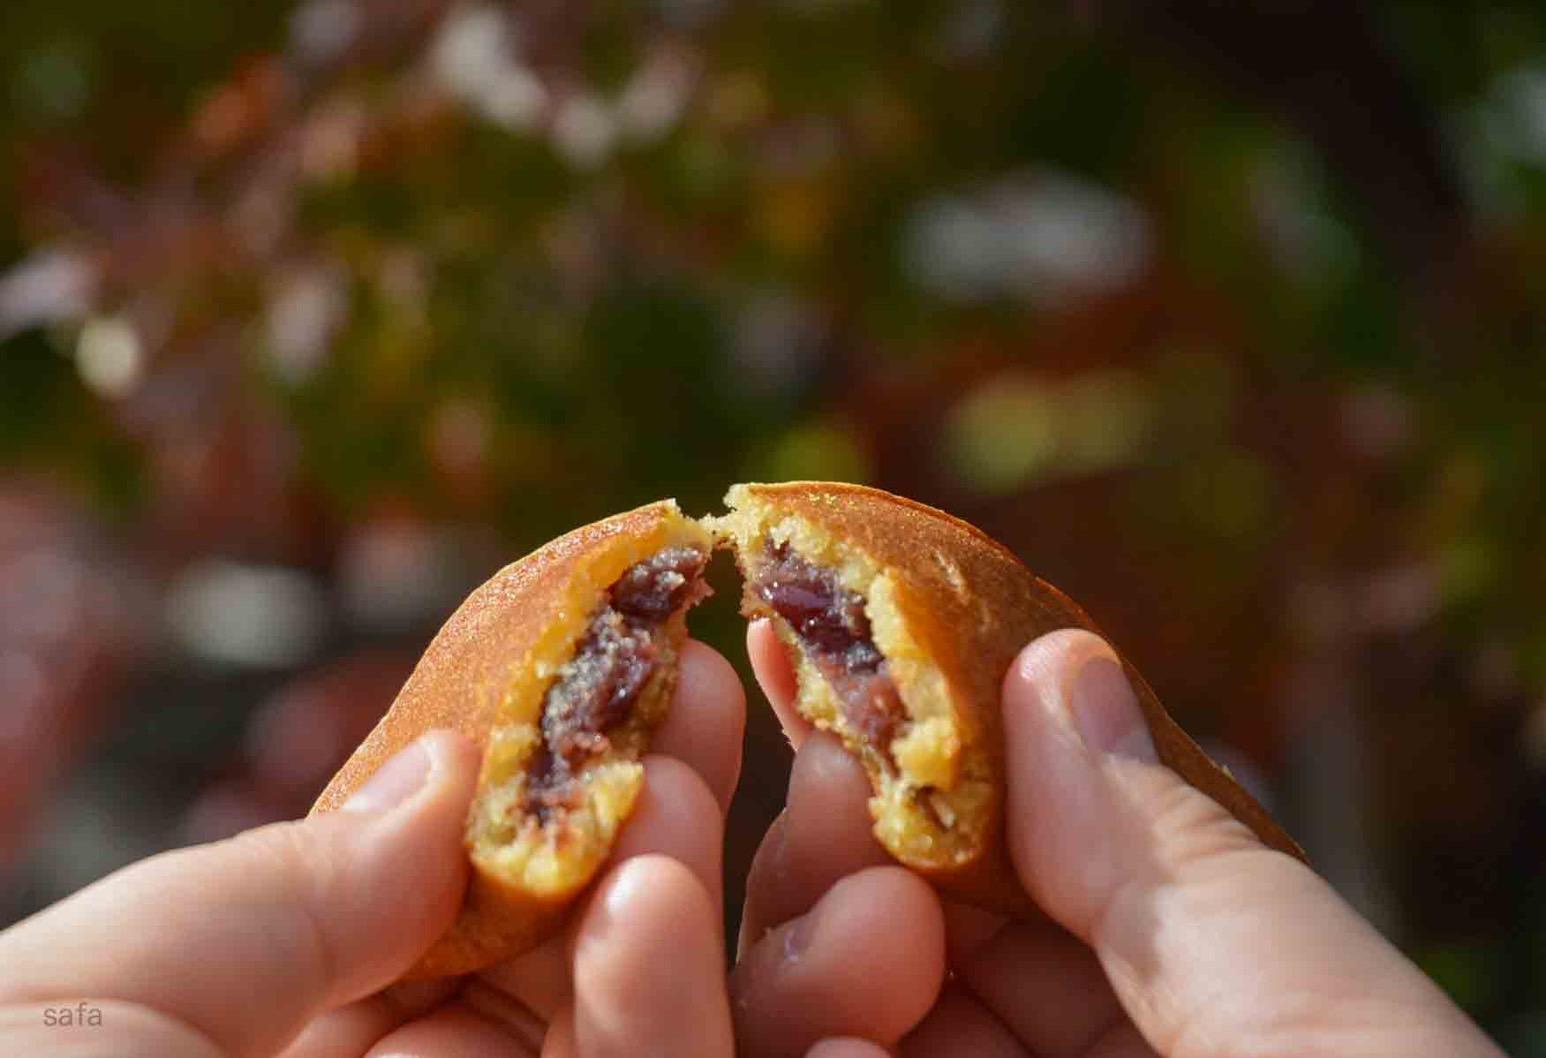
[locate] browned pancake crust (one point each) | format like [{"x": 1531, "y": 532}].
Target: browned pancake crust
[
  {"x": 968, "y": 600},
  {"x": 477, "y": 658},
  {"x": 973, "y": 606}
]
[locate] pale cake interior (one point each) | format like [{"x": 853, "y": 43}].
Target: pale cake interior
[
  {"x": 932, "y": 797},
  {"x": 546, "y": 836}
]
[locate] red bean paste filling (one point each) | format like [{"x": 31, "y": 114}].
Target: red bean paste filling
[
  {"x": 830, "y": 622},
  {"x": 597, "y": 689}
]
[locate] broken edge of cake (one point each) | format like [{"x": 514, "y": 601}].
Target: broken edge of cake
[
  {"x": 539, "y": 856},
  {"x": 934, "y": 796}
]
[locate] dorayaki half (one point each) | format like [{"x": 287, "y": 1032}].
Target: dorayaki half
[{"x": 901, "y": 621}]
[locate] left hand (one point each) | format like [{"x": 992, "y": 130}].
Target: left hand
[{"x": 286, "y": 940}]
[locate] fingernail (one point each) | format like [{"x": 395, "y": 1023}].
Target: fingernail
[
  {"x": 394, "y": 782},
  {"x": 1106, "y": 711}
]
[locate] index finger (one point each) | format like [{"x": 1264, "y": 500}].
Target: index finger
[
  {"x": 707, "y": 718},
  {"x": 776, "y": 676}
]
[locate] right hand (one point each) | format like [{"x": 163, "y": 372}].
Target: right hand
[{"x": 1171, "y": 931}]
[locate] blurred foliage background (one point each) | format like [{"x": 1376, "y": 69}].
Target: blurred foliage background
[{"x": 1228, "y": 318}]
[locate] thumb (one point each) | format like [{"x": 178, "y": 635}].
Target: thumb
[
  {"x": 246, "y": 940},
  {"x": 1215, "y": 944}
]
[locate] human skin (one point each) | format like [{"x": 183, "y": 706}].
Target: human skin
[
  {"x": 1170, "y": 929},
  {"x": 285, "y": 940}
]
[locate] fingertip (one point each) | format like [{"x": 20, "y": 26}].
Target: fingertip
[
  {"x": 867, "y": 961},
  {"x": 678, "y": 816},
  {"x": 413, "y": 847},
  {"x": 769, "y": 662},
  {"x": 426, "y": 768},
  {"x": 1059, "y": 821},
  {"x": 707, "y": 719},
  {"x": 450, "y": 748},
  {"x": 869, "y": 905},
  {"x": 1048, "y": 661},
  {"x": 775, "y": 674},
  {"x": 454, "y": 761},
  {"x": 824, "y": 834},
  {"x": 823, "y": 766},
  {"x": 636, "y": 900},
  {"x": 711, "y": 669},
  {"x": 1070, "y": 687},
  {"x": 650, "y": 888},
  {"x": 430, "y": 823},
  {"x": 624, "y": 1003},
  {"x": 831, "y": 832}
]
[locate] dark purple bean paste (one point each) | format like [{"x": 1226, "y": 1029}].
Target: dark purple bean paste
[
  {"x": 597, "y": 689},
  {"x": 831, "y": 624}
]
